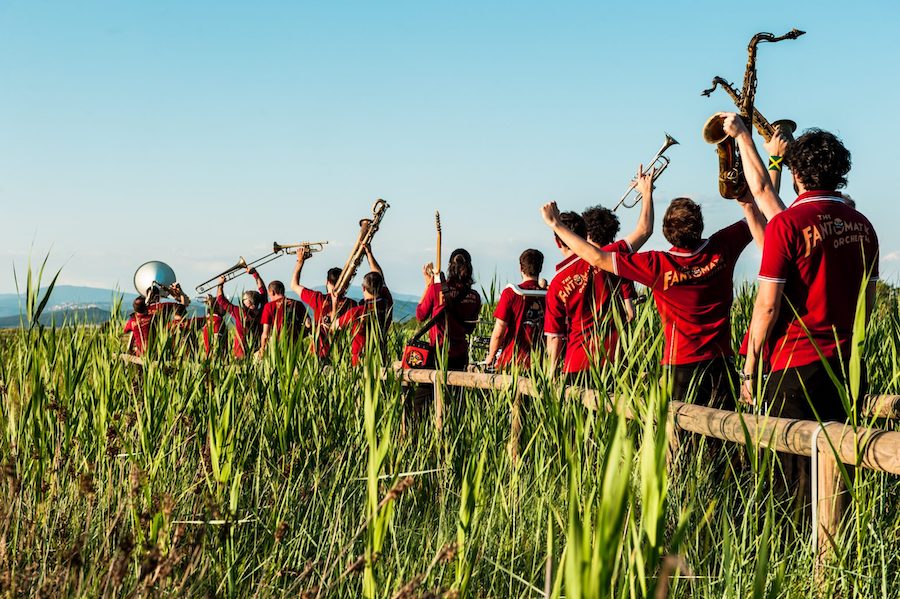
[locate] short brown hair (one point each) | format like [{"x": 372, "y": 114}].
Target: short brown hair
[
  {"x": 373, "y": 282},
  {"x": 276, "y": 288},
  {"x": 531, "y": 262},
  {"x": 683, "y": 223}
]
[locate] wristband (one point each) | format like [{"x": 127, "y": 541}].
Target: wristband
[
  {"x": 775, "y": 163},
  {"x": 745, "y": 376}
]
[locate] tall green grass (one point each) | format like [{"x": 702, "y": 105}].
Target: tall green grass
[{"x": 284, "y": 478}]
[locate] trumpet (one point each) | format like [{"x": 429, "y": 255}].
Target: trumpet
[
  {"x": 658, "y": 164},
  {"x": 367, "y": 229},
  {"x": 243, "y": 266}
]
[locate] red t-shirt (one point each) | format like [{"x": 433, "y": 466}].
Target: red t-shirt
[
  {"x": 320, "y": 303},
  {"x": 139, "y": 326},
  {"x": 247, "y": 323},
  {"x": 359, "y": 318},
  {"x": 463, "y": 307},
  {"x": 823, "y": 251},
  {"x": 273, "y": 314},
  {"x": 693, "y": 290},
  {"x": 523, "y": 314},
  {"x": 578, "y": 307}
]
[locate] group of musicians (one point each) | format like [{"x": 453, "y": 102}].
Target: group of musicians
[{"x": 819, "y": 255}]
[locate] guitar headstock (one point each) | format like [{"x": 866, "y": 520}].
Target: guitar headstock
[{"x": 437, "y": 220}]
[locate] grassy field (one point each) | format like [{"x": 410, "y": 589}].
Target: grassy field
[{"x": 281, "y": 478}]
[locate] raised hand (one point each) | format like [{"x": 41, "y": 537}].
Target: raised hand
[{"x": 550, "y": 212}]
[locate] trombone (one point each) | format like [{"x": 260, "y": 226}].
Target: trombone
[
  {"x": 659, "y": 163},
  {"x": 242, "y": 265}
]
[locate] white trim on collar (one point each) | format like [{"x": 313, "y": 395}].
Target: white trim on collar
[
  {"x": 699, "y": 249},
  {"x": 818, "y": 199}
]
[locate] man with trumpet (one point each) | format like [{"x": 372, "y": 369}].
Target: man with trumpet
[
  {"x": 577, "y": 321},
  {"x": 247, "y": 316}
]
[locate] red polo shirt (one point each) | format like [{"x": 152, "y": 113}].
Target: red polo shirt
[
  {"x": 577, "y": 310},
  {"x": 823, "y": 251},
  {"x": 693, "y": 290},
  {"x": 358, "y": 319},
  {"x": 522, "y": 308},
  {"x": 273, "y": 314},
  {"x": 320, "y": 303}
]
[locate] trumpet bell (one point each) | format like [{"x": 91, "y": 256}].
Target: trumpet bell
[{"x": 153, "y": 274}]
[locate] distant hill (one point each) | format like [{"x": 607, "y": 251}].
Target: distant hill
[{"x": 71, "y": 304}]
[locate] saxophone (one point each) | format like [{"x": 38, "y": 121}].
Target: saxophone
[{"x": 732, "y": 184}]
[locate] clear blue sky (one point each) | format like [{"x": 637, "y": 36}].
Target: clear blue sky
[{"x": 195, "y": 132}]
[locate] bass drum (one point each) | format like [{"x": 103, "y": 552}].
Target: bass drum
[{"x": 153, "y": 273}]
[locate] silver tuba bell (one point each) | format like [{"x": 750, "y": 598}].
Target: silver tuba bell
[{"x": 153, "y": 274}]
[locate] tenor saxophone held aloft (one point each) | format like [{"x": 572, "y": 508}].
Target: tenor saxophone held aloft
[
  {"x": 367, "y": 229},
  {"x": 732, "y": 184}
]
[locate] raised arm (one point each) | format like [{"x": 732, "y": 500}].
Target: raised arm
[
  {"x": 755, "y": 219},
  {"x": 302, "y": 256},
  {"x": 776, "y": 148},
  {"x": 758, "y": 180},
  {"x": 220, "y": 287},
  {"x": 373, "y": 263},
  {"x": 576, "y": 243},
  {"x": 644, "y": 228}
]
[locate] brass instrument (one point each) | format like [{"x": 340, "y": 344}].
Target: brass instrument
[
  {"x": 732, "y": 184},
  {"x": 765, "y": 128},
  {"x": 367, "y": 229},
  {"x": 154, "y": 275},
  {"x": 242, "y": 265},
  {"x": 659, "y": 163}
]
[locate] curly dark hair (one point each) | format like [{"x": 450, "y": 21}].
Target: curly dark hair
[
  {"x": 602, "y": 224},
  {"x": 575, "y": 223},
  {"x": 818, "y": 160},
  {"x": 683, "y": 223}
]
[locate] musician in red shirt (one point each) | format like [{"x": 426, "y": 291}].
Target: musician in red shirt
[
  {"x": 519, "y": 317},
  {"x": 215, "y": 333},
  {"x": 460, "y": 305},
  {"x": 168, "y": 309},
  {"x": 819, "y": 258},
  {"x": 370, "y": 319},
  {"x": 247, "y": 317},
  {"x": 692, "y": 284},
  {"x": 602, "y": 226},
  {"x": 322, "y": 304},
  {"x": 138, "y": 327},
  {"x": 280, "y": 314},
  {"x": 577, "y": 320}
]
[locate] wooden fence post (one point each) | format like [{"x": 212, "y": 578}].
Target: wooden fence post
[
  {"x": 439, "y": 401},
  {"x": 831, "y": 501}
]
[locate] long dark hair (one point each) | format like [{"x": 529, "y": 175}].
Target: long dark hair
[{"x": 459, "y": 268}]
